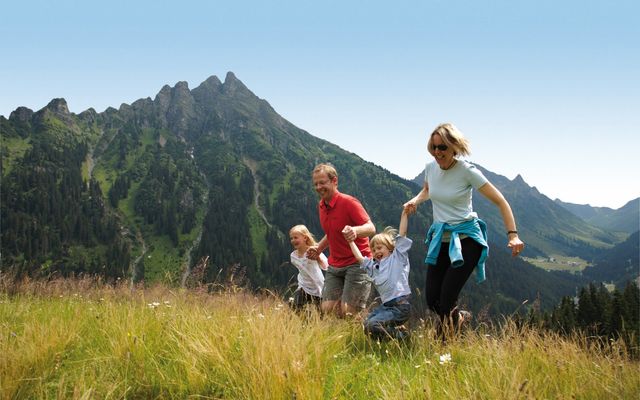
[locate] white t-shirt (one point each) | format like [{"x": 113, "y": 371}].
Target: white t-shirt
[
  {"x": 310, "y": 277},
  {"x": 450, "y": 190}
]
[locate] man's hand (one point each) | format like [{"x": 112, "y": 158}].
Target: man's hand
[
  {"x": 349, "y": 233},
  {"x": 313, "y": 253}
]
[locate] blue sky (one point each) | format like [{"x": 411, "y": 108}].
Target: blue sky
[{"x": 546, "y": 89}]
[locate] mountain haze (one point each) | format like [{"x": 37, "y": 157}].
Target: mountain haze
[
  {"x": 625, "y": 219},
  {"x": 151, "y": 188}
]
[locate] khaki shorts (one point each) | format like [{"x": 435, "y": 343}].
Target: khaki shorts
[{"x": 348, "y": 284}]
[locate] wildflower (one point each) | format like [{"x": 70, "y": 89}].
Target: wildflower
[
  {"x": 417, "y": 366},
  {"x": 167, "y": 302},
  {"x": 261, "y": 316},
  {"x": 445, "y": 358},
  {"x": 153, "y": 305}
]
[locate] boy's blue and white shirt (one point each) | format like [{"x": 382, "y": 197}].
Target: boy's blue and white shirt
[{"x": 391, "y": 275}]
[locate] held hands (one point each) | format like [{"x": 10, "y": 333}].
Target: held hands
[
  {"x": 410, "y": 207},
  {"x": 349, "y": 233},
  {"x": 313, "y": 253}
]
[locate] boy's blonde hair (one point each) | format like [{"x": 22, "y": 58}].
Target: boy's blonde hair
[
  {"x": 304, "y": 231},
  {"x": 386, "y": 238}
]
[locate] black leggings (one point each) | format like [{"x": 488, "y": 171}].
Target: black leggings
[{"x": 445, "y": 282}]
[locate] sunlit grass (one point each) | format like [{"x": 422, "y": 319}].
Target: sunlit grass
[{"x": 83, "y": 339}]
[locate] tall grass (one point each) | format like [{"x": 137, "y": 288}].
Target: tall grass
[{"x": 81, "y": 339}]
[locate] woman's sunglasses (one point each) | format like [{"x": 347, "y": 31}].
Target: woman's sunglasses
[{"x": 441, "y": 147}]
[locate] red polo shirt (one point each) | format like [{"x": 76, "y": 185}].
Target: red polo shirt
[{"x": 342, "y": 210}]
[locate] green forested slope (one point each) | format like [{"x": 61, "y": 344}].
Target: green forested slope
[{"x": 150, "y": 189}]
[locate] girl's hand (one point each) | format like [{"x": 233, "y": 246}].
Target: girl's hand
[{"x": 312, "y": 253}]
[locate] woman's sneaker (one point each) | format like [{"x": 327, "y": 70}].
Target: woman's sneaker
[{"x": 464, "y": 317}]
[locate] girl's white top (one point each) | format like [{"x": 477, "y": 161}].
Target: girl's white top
[{"x": 310, "y": 277}]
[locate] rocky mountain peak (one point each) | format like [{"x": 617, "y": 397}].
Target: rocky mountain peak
[
  {"x": 58, "y": 106},
  {"x": 519, "y": 180},
  {"x": 211, "y": 82},
  {"x": 233, "y": 85},
  {"x": 21, "y": 114}
]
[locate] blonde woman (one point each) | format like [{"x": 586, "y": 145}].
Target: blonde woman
[{"x": 456, "y": 241}]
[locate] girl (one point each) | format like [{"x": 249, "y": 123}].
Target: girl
[
  {"x": 389, "y": 270},
  {"x": 310, "y": 278}
]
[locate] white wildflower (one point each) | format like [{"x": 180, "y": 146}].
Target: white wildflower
[
  {"x": 153, "y": 305},
  {"x": 445, "y": 358}
]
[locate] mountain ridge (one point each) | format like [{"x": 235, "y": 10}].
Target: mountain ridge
[
  {"x": 624, "y": 219},
  {"x": 210, "y": 172}
]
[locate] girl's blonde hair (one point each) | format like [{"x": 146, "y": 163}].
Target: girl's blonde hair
[
  {"x": 386, "y": 238},
  {"x": 452, "y": 137},
  {"x": 304, "y": 231}
]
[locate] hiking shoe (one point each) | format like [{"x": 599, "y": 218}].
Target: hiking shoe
[{"x": 464, "y": 317}]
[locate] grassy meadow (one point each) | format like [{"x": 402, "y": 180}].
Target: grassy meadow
[{"x": 82, "y": 339}]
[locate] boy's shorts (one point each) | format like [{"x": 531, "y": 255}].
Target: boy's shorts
[{"x": 348, "y": 284}]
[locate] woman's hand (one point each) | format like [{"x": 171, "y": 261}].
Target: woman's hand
[
  {"x": 410, "y": 207},
  {"x": 515, "y": 244}
]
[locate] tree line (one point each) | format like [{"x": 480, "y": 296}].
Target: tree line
[{"x": 596, "y": 312}]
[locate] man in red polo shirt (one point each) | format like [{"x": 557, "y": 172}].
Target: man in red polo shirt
[{"x": 346, "y": 285}]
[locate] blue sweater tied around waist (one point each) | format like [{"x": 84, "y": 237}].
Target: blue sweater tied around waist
[{"x": 475, "y": 228}]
